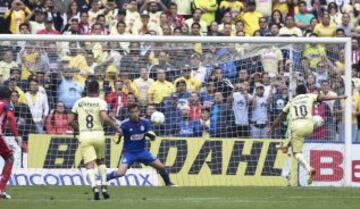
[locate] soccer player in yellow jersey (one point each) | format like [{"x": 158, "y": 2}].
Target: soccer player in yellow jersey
[
  {"x": 301, "y": 122},
  {"x": 90, "y": 112}
]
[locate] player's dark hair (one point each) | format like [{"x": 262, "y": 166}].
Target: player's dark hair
[
  {"x": 301, "y": 89},
  {"x": 5, "y": 92},
  {"x": 133, "y": 106},
  {"x": 92, "y": 86}
]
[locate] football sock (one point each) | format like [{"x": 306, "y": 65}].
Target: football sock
[
  {"x": 90, "y": 174},
  {"x": 6, "y": 173},
  {"x": 165, "y": 176},
  {"x": 300, "y": 158},
  {"x": 111, "y": 175},
  {"x": 102, "y": 172}
]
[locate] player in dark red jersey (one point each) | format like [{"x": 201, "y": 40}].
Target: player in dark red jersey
[{"x": 6, "y": 114}]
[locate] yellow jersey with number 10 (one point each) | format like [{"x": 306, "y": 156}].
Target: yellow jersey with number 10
[
  {"x": 88, "y": 111},
  {"x": 301, "y": 107}
]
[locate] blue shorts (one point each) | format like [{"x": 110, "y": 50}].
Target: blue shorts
[{"x": 143, "y": 156}]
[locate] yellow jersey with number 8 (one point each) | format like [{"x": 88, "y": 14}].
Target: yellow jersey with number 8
[
  {"x": 88, "y": 111},
  {"x": 301, "y": 107}
]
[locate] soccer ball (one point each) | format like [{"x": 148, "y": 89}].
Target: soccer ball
[
  {"x": 318, "y": 121},
  {"x": 158, "y": 118}
]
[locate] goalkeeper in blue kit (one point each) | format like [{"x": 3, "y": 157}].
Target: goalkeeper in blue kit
[{"x": 134, "y": 130}]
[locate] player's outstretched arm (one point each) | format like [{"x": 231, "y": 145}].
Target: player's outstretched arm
[
  {"x": 327, "y": 98},
  {"x": 277, "y": 121},
  {"x": 106, "y": 119}
]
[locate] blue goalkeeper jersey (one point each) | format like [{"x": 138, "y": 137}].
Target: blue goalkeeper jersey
[{"x": 134, "y": 134}]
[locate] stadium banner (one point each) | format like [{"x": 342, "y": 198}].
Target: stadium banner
[
  {"x": 77, "y": 177},
  {"x": 328, "y": 160},
  {"x": 190, "y": 161}
]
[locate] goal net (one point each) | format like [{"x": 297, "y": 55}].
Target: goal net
[{"x": 210, "y": 100}]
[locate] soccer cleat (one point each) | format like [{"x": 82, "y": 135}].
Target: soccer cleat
[
  {"x": 4, "y": 195},
  {"x": 171, "y": 185},
  {"x": 311, "y": 176},
  {"x": 104, "y": 192},
  {"x": 96, "y": 193}
]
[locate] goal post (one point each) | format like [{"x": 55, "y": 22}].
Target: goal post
[{"x": 261, "y": 41}]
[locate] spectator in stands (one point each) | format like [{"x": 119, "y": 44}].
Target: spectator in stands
[
  {"x": 69, "y": 90},
  {"x": 234, "y": 6},
  {"x": 355, "y": 50},
  {"x": 187, "y": 126},
  {"x": 277, "y": 18},
  {"x": 325, "y": 28},
  {"x": 177, "y": 20},
  {"x": 129, "y": 85},
  {"x": 195, "y": 106},
  {"x": 160, "y": 89},
  {"x": 290, "y": 27},
  {"x": 241, "y": 101},
  {"x": 314, "y": 53},
  {"x": 227, "y": 19},
  {"x": 57, "y": 120},
  {"x": 133, "y": 61},
  {"x": 213, "y": 29},
  {"x": 205, "y": 122},
  {"x": 226, "y": 63},
  {"x": 122, "y": 113},
  {"x": 220, "y": 117},
  {"x": 116, "y": 99},
  {"x": 54, "y": 14},
  {"x": 326, "y": 91},
  {"x": 72, "y": 12},
  {"x": 311, "y": 82},
  {"x": 38, "y": 104},
  {"x": 345, "y": 24},
  {"x": 207, "y": 96},
  {"x": 250, "y": 18},
  {"x": 49, "y": 28},
  {"x": 192, "y": 84},
  {"x": 23, "y": 116},
  {"x": 271, "y": 60},
  {"x": 198, "y": 70},
  {"x": 239, "y": 26},
  {"x": 6, "y": 64},
  {"x": 259, "y": 115},
  {"x": 143, "y": 84},
  {"x": 278, "y": 101},
  {"x": 303, "y": 17},
  {"x": 208, "y": 9},
  {"x": 163, "y": 63},
  {"x": 182, "y": 93},
  {"x": 222, "y": 84},
  {"x": 334, "y": 13},
  {"x": 264, "y": 26},
  {"x": 84, "y": 26},
  {"x": 184, "y": 7},
  {"x": 17, "y": 15},
  {"x": 172, "y": 116},
  {"x": 95, "y": 11},
  {"x": 196, "y": 18},
  {"x": 13, "y": 86},
  {"x": 72, "y": 28},
  {"x": 321, "y": 73},
  {"x": 274, "y": 30},
  {"x": 38, "y": 23}
]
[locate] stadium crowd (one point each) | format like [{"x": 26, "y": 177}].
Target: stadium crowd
[{"x": 218, "y": 90}]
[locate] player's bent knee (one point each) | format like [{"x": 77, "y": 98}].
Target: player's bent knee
[{"x": 90, "y": 165}]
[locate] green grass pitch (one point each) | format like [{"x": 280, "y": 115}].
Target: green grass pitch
[{"x": 183, "y": 198}]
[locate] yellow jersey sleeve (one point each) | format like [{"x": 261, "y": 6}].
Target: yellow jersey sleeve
[{"x": 287, "y": 107}]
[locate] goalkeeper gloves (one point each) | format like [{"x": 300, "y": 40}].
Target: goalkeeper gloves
[
  {"x": 118, "y": 139},
  {"x": 151, "y": 135}
]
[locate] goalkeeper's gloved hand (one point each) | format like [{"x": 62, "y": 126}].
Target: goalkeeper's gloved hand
[
  {"x": 151, "y": 135},
  {"x": 117, "y": 140}
]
